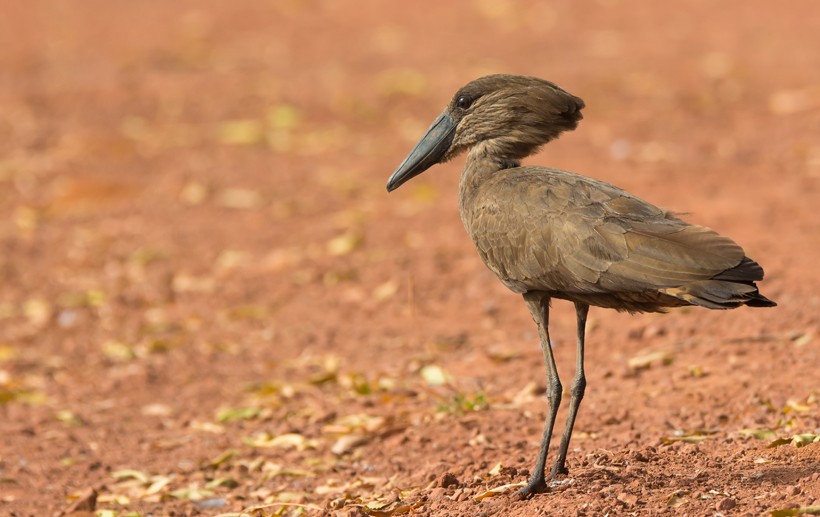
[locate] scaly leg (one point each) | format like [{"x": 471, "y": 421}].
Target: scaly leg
[
  {"x": 538, "y": 303},
  {"x": 579, "y": 383}
]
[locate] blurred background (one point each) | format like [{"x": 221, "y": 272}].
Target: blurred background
[{"x": 197, "y": 252}]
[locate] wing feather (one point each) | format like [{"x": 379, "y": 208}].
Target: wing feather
[{"x": 539, "y": 228}]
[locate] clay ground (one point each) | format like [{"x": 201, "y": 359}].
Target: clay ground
[{"x": 210, "y": 304}]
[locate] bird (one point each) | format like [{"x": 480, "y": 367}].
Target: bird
[{"x": 548, "y": 233}]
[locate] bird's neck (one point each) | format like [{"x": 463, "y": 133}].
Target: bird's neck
[{"x": 480, "y": 165}]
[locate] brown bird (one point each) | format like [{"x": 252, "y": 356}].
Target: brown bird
[{"x": 548, "y": 233}]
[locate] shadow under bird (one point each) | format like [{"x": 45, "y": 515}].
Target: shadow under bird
[{"x": 548, "y": 233}]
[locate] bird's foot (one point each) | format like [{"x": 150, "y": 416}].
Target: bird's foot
[
  {"x": 536, "y": 485},
  {"x": 557, "y": 471}
]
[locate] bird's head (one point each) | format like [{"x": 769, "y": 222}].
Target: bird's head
[{"x": 506, "y": 117}]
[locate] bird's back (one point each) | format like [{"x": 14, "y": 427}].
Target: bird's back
[{"x": 585, "y": 240}]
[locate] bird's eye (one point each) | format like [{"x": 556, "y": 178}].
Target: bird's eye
[{"x": 463, "y": 102}]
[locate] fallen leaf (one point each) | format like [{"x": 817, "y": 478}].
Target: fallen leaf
[
  {"x": 696, "y": 371},
  {"x": 226, "y": 482},
  {"x": 193, "y": 193},
  {"x": 435, "y": 375},
  {"x": 231, "y": 259},
  {"x": 240, "y": 199},
  {"x": 377, "y": 509},
  {"x": 87, "y": 501},
  {"x": 240, "y": 413},
  {"x": 803, "y": 510},
  {"x": 158, "y": 483},
  {"x": 502, "y": 354},
  {"x": 499, "y": 490},
  {"x": 26, "y": 218},
  {"x": 242, "y": 132},
  {"x": 223, "y": 458},
  {"x": 68, "y": 417},
  {"x": 644, "y": 361},
  {"x": 686, "y": 438},
  {"x": 789, "y": 102},
  {"x": 118, "y": 351},
  {"x": 676, "y": 498},
  {"x": 344, "y": 244},
  {"x": 760, "y": 434},
  {"x": 283, "y": 441},
  {"x": 192, "y": 494},
  {"x": 185, "y": 283},
  {"x": 208, "y": 427},
  {"x": 800, "y": 440},
  {"x": 156, "y": 409},
  {"x": 37, "y": 310},
  {"x": 345, "y": 444},
  {"x": 283, "y": 116},
  {"x": 124, "y": 474},
  {"x": 385, "y": 291},
  {"x": 797, "y": 407},
  {"x": 778, "y": 443}
]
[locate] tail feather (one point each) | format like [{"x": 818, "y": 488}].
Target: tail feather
[
  {"x": 727, "y": 290},
  {"x": 721, "y": 294},
  {"x": 747, "y": 271}
]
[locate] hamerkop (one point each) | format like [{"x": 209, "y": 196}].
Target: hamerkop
[{"x": 548, "y": 233}]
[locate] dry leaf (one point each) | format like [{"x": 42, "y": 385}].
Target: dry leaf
[
  {"x": 645, "y": 360},
  {"x": 283, "y": 116},
  {"x": 240, "y": 413},
  {"x": 803, "y": 510},
  {"x": 283, "y": 441},
  {"x": 344, "y": 244},
  {"x": 502, "y": 354},
  {"x": 348, "y": 442},
  {"x": 760, "y": 434},
  {"x": 385, "y": 291},
  {"x": 676, "y": 498},
  {"x": 223, "y": 458},
  {"x": 240, "y": 199},
  {"x": 185, "y": 283},
  {"x": 686, "y": 438},
  {"x": 435, "y": 375},
  {"x": 800, "y": 440},
  {"x": 242, "y": 132},
  {"x": 38, "y": 311},
  {"x": 499, "y": 490},
  {"x": 193, "y": 193}
]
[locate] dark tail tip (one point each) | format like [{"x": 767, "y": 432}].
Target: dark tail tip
[{"x": 760, "y": 301}]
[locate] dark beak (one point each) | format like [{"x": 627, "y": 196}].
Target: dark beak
[{"x": 428, "y": 152}]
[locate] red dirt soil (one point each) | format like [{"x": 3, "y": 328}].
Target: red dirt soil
[{"x": 210, "y": 305}]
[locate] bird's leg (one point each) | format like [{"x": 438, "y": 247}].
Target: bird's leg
[
  {"x": 540, "y": 310},
  {"x": 579, "y": 383}
]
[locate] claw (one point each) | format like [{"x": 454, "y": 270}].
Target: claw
[{"x": 535, "y": 486}]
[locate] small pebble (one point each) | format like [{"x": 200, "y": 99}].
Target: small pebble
[
  {"x": 726, "y": 504},
  {"x": 436, "y": 494},
  {"x": 448, "y": 479},
  {"x": 627, "y": 499}
]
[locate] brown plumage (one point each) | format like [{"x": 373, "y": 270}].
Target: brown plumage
[{"x": 548, "y": 233}]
